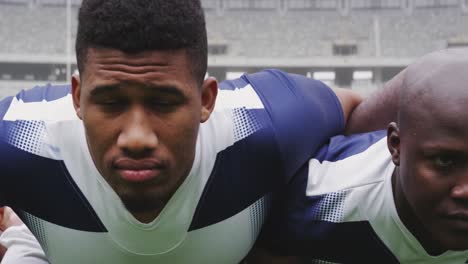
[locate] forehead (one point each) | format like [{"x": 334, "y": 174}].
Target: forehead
[
  {"x": 439, "y": 112},
  {"x": 167, "y": 67},
  {"x": 436, "y": 129}
]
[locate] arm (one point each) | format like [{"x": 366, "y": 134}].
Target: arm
[
  {"x": 377, "y": 111},
  {"x": 349, "y": 100},
  {"x": 19, "y": 244}
]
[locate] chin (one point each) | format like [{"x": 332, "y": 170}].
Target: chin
[
  {"x": 457, "y": 242},
  {"x": 141, "y": 201},
  {"x": 458, "y": 247}
]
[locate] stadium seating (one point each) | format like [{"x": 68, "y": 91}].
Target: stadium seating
[
  {"x": 273, "y": 29},
  {"x": 32, "y": 29},
  {"x": 41, "y": 28}
]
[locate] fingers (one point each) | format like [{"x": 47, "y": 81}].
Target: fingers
[
  {"x": 2, "y": 251},
  {"x": 8, "y": 218}
]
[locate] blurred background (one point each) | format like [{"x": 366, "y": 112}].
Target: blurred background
[{"x": 356, "y": 44}]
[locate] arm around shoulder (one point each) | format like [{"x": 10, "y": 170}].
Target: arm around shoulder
[
  {"x": 349, "y": 100},
  {"x": 379, "y": 109},
  {"x": 21, "y": 247},
  {"x": 18, "y": 243}
]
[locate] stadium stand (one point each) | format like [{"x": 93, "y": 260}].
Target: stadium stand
[
  {"x": 302, "y": 36},
  {"x": 422, "y": 32},
  {"x": 32, "y": 29},
  {"x": 263, "y": 34}
]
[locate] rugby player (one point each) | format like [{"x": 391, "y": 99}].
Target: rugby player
[
  {"x": 143, "y": 160},
  {"x": 395, "y": 196}
]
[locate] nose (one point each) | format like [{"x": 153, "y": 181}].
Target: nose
[
  {"x": 137, "y": 136},
  {"x": 460, "y": 190}
]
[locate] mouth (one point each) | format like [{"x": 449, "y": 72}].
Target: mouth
[
  {"x": 136, "y": 171},
  {"x": 458, "y": 220}
]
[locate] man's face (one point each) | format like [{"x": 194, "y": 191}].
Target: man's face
[
  {"x": 431, "y": 185},
  {"x": 141, "y": 114}
]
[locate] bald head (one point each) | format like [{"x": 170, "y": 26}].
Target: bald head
[
  {"x": 435, "y": 86},
  {"x": 430, "y": 150}
]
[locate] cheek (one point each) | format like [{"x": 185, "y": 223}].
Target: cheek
[
  {"x": 424, "y": 188},
  {"x": 180, "y": 136},
  {"x": 184, "y": 136},
  {"x": 99, "y": 137}
]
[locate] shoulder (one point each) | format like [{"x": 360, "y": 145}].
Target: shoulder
[
  {"x": 49, "y": 102},
  {"x": 343, "y": 147},
  {"x": 348, "y": 162},
  {"x": 321, "y": 212},
  {"x": 277, "y": 82},
  {"x": 301, "y": 113},
  {"x": 47, "y": 93}
]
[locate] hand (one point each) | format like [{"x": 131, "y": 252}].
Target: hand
[
  {"x": 2, "y": 251},
  {"x": 8, "y": 218}
]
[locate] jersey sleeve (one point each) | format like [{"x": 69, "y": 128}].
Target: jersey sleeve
[
  {"x": 41, "y": 103},
  {"x": 37, "y": 94},
  {"x": 48, "y": 103},
  {"x": 304, "y": 112}
]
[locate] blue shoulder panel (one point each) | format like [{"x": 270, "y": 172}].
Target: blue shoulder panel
[
  {"x": 233, "y": 84},
  {"x": 342, "y": 147},
  {"x": 44, "y": 93},
  {"x": 305, "y": 113},
  {"x": 4, "y": 105},
  {"x": 36, "y": 94},
  {"x": 42, "y": 187}
]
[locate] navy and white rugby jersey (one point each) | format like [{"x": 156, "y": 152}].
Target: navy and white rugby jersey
[
  {"x": 340, "y": 209},
  {"x": 264, "y": 127}
]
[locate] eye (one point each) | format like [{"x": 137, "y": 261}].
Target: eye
[
  {"x": 444, "y": 161},
  {"x": 109, "y": 102},
  {"x": 111, "y": 105},
  {"x": 448, "y": 161},
  {"x": 164, "y": 104}
]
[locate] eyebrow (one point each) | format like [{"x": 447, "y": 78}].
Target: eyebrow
[
  {"x": 452, "y": 148},
  {"x": 156, "y": 89},
  {"x": 104, "y": 89}
]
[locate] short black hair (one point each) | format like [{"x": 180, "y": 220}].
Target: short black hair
[{"x": 134, "y": 26}]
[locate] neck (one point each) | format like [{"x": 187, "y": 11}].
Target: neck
[
  {"x": 146, "y": 214},
  {"x": 410, "y": 220}
]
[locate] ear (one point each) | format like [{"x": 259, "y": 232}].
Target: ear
[
  {"x": 209, "y": 93},
  {"x": 76, "y": 94},
  {"x": 393, "y": 142}
]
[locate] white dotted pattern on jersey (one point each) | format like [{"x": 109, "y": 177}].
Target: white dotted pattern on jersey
[
  {"x": 330, "y": 207},
  {"x": 258, "y": 213},
  {"x": 36, "y": 226},
  {"x": 27, "y": 135},
  {"x": 245, "y": 123}
]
